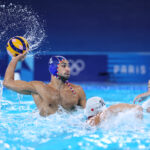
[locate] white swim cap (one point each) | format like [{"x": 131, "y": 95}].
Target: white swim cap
[{"x": 94, "y": 105}]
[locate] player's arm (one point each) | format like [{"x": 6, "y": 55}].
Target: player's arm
[
  {"x": 82, "y": 99},
  {"x": 19, "y": 86},
  {"x": 141, "y": 97},
  {"x": 94, "y": 121}
]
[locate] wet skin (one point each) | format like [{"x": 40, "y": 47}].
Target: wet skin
[
  {"x": 114, "y": 110},
  {"x": 49, "y": 96}
]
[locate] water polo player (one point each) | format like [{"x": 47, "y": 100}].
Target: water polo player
[
  {"x": 96, "y": 111},
  {"x": 49, "y": 96}
]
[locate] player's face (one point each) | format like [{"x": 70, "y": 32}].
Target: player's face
[{"x": 64, "y": 69}]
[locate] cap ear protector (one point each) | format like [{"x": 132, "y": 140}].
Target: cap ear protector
[{"x": 53, "y": 64}]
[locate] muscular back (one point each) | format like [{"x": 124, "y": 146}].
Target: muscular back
[{"x": 122, "y": 107}]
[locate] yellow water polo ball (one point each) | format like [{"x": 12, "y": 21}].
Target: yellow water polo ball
[{"x": 17, "y": 45}]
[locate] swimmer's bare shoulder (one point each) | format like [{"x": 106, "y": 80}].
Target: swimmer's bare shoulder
[
  {"x": 81, "y": 95},
  {"x": 42, "y": 88},
  {"x": 38, "y": 85},
  {"x": 123, "y": 107}
]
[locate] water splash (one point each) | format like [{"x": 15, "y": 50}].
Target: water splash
[
  {"x": 126, "y": 120},
  {"x": 17, "y": 20},
  {"x": 20, "y": 96},
  {"x": 21, "y": 128}
]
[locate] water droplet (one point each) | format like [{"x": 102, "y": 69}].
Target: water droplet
[{"x": 17, "y": 20}]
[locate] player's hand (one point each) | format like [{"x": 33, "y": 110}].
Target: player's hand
[{"x": 20, "y": 57}]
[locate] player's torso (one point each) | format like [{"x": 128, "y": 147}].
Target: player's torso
[
  {"x": 68, "y": 98},
  {"x": 48, "y": 98}
]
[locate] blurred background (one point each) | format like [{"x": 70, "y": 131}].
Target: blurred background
[{"x": 106, "y": 40}]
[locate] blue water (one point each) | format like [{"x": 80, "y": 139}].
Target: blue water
[{"x": 21, "y": 127}]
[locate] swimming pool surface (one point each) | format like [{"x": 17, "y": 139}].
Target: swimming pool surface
[{"x": 21, "y": 127}]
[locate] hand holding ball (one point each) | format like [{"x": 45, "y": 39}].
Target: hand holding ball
[{"x": 17, "y": 45}]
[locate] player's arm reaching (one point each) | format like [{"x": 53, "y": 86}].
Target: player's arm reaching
[
  {"x": 19, "y": 86},
  {"x": 142, "y": 96}
]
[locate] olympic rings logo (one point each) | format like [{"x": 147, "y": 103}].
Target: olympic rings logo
[{"x": 76, "y": 66}]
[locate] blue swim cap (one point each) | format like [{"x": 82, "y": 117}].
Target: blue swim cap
[{"x": 53, "y": 64}]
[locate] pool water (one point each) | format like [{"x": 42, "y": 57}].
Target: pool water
[{"x": 21, "y": 127}]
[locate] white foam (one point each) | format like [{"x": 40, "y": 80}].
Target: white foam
[
  {"x": 126, "y": 120},
  {"x": 146, "y": 104}
]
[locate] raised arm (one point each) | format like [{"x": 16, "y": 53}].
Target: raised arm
[
  {"x": 82, "y": 99},
  {"x": 142, "y": 96},
  {"x": 19, "y": 86}
]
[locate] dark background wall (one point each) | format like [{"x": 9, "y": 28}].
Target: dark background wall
[
  {"x": 95, "y": 25},
  {"x": 90, "y": 26}
]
